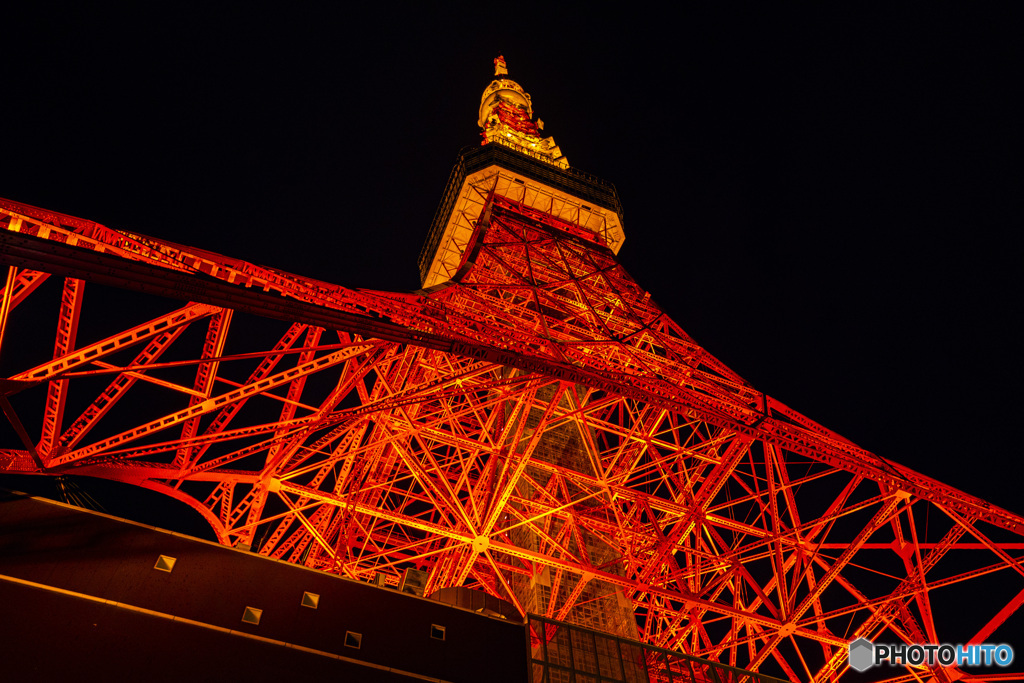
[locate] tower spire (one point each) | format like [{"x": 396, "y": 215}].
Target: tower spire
[{"x": 506, "y": 118}]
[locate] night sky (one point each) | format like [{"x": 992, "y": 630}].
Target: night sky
[{"x": 828, "y": 200}]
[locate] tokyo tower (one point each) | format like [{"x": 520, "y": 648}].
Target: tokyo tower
[{"x": 529, "y": 423}]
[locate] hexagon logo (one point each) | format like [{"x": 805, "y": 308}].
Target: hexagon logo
[{"x": 862, "y": 654}]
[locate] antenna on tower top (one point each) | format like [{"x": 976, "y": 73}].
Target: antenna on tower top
[{"x": 506, "y": 117}]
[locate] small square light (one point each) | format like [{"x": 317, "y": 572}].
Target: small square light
[
  {"x": 251, "y": 615},
  {"x": 353, "y": 640},
  {"x": 165, "y": 563},
  {"x": 437, "y": 632},
  {"x": 311, "y": 600}
]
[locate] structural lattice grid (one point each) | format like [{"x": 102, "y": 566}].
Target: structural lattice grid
[{"x": 539, "y": 429}]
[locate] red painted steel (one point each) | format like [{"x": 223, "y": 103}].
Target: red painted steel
[{"x": 538, "y": 429}]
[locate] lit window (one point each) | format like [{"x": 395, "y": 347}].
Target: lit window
[
  {"x": 165, "y": 563},
  {"x": 251, "y": 615},
  {"x": 311, "y": 600}
]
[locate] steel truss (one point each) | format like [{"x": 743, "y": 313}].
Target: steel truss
[{"x": 538, "y": 428}]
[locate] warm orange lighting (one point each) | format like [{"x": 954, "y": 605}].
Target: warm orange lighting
[
  {"x": 506, "y": 117},
  {"x": 531, "y": 424}
]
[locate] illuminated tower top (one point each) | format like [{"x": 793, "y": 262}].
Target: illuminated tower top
[
  {"x": 506, "y": 117},
  {"x": 515, "y": 162}
]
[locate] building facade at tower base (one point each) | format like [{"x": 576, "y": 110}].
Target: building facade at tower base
[{"x": 88, "y": 595}]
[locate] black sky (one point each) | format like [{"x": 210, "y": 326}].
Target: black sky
[{"x": 829, "y": 200}]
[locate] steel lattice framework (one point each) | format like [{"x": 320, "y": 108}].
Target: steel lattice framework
[{"x": 535, "y": 427}]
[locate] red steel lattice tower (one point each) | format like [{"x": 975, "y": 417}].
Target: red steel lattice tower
[{"x": 530, "y": 423}]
